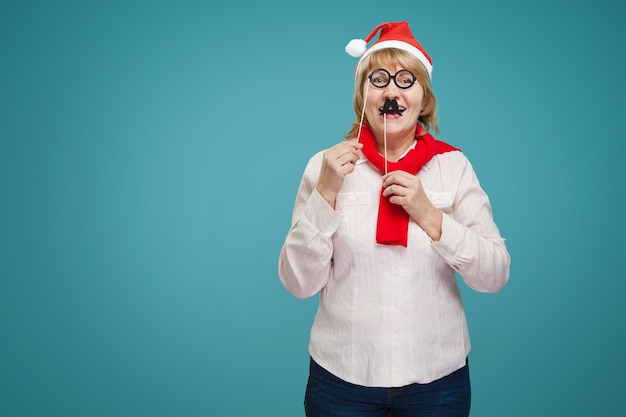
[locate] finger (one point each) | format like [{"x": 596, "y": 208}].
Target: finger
[
  {"x": 401, "y": 178},
  {"x": 348, "y": 157},
  {"x": 355, "y": 143},
  {"x": 347, "y": 160},
  {"x": 341, "y": 155},
  {"x": 353, "y": 148},
  {"x": 349, "y": 168},
  {"x": 394, "y": 190},
  {"x": 394, "y": 199},
  {"x": 391, "y": 179}
]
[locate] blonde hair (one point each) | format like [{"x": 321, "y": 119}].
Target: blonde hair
[{"x": 390, "y": 57}]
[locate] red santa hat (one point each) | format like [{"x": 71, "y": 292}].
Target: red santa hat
[{"x": 392, "y": 35}]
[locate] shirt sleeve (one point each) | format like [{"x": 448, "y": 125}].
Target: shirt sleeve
[
  {"x": 470, "y": 240},
  {"x": 305, "y": 260}
]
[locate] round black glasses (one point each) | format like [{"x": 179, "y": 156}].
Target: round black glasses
[{"x": 380, "y": 78}]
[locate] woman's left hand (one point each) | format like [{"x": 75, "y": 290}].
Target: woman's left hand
[{"x": 406, "y": 190}]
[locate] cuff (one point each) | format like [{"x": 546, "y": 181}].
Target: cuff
[
  {"x": 321, "y": 215},
  {"x": 451, "y": 236}
]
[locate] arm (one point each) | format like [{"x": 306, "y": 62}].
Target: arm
[
  {"x": 305, "y": 259},
  {"x": 470, "y": 241}
]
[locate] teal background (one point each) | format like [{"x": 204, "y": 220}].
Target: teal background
[{"x": 150, "y": 153}]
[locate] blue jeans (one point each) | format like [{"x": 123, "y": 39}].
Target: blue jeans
[{"x": 330, "y": 396}]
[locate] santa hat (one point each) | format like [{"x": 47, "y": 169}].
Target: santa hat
[{"x": 392, "y": 35}]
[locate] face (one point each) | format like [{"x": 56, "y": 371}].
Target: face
[{"x": 400, "y": 127}]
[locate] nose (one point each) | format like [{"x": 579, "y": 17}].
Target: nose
[{"x": 391, "y": 90}]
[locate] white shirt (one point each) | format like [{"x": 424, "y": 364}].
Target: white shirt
[{"x": 390, "y": 316}]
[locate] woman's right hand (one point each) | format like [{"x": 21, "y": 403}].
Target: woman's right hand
[{"x": 337, "y": 162}]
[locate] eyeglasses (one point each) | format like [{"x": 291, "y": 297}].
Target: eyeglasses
[{"x": 380, "y": 78}]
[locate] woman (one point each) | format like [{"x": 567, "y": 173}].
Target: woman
[{"x": 381, "y": 223}]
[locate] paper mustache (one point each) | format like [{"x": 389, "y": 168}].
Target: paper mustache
[{"x": 391, "y": 106}]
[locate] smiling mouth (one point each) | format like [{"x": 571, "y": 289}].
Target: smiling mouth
[{"x": 391, "y": 107}]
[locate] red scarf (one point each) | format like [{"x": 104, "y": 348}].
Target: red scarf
[{"x": 393, "y": 221}]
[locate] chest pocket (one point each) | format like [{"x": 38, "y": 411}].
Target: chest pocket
[
  {"x": 345, "y": 200},
  {"x": 360, "y": 216},
  {"x": 442, "y": 200}
]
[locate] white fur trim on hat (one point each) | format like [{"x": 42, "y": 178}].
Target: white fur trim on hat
[{"x": 400, "y": 45}]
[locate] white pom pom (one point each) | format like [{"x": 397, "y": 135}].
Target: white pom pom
[{"x": 356, "y": 47}]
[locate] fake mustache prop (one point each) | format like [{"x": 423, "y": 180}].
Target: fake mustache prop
[{"x": 391, "y": 106}]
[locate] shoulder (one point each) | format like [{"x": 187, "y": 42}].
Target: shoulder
[
  {"x": 315, "y": 161},
  {"x": 316, "y": 158},
  {"x": 449, "y": 157},
  {"x": 452, "y": 165},
  {"x": 314, "y": 164},
  {"x": 452, "y": 159},
  {"x": 443, "y": 147}
]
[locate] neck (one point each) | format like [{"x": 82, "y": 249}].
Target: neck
[{"x": 395, "y": 146}]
